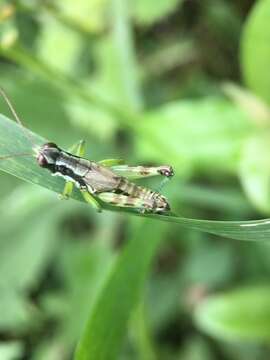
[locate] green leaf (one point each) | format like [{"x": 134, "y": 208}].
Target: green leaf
[
  {"x": 88, "y": 15},
  {"x": 107, "y": 324},
  {"x": 141, "y": 334},
  {"x": 252, "y": 105},
  {"x": 11, "y": 350},
  {"x": 84, "y": 270},
  {"x": 58, "y": 45},
  {"x": 25, "y": 254},
  {"x": 181, "y": 131},
  {"x": 254, "y": 171},
  {"x": 243, "y": 314},
  {"x": 255, "y": 49},
  {"x": 209, "y": 256},
  {"x": 118, "y": 74},
  {"x": 91, "y": 119},
  {"x": 14, "y": 139}
]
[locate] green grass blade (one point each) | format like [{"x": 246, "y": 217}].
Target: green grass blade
[
  {"x": 14, "y": 140},
  {"x": 107, "y": 325}
]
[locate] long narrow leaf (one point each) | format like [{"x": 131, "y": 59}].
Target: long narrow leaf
[
  {"x": 14, "y": 140},
  {"x": 107, "y": 323}
]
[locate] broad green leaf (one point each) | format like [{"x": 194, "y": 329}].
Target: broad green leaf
[
  {"x": 58, "y": 45},
  {"x": 255, "y": 49},
  {"x": 201, "y": 134},
  {"x": 11, "y": 350},
  {"x": 254, "y": 171},
  {"x": 89, "y": 15},
  {"x": 8, "y": 35},
  {"x": 242, "y": 314}
]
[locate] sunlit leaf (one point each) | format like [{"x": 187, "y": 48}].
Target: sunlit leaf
[
  {"x": 59, "y": 46},
  {"x": 255, "y": 171},
  {"x": 255, "y": 52},
  {"x": 11, "y": 350},
  {"x": 202, "y": 134},
  {"x": 242, "y": 314}
]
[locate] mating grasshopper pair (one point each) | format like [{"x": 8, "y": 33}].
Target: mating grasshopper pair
[{"x": 108, "y": 180}]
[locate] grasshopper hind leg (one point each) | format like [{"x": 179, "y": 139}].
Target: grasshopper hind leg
[
  {"x": 121, "y": 200},
  {"x": 126, "y": 201},
  {"x": 140, "y": 172}
]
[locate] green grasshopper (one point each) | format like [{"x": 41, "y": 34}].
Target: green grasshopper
[{"x": 108, "y": 180}]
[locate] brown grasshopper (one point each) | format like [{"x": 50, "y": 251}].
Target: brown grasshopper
[{"x": 108, "y": 180}]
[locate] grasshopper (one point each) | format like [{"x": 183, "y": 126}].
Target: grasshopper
[{"x": 108, "y": 180}]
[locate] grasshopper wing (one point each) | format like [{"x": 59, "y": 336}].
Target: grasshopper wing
[{"x": 101, "y": 178}]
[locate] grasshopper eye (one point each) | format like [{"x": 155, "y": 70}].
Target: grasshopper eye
[{"x": 42, "y": 160}]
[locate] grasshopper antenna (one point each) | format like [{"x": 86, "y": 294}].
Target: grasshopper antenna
[
  {"x": 11, "y": 108},
  {"x": 162, "y": 184}
]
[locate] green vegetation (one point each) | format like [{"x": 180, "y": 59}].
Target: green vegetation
[{"x": 175, "y": 82}]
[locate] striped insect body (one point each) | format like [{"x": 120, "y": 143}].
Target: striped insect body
[{"x": 108, "y": 180}]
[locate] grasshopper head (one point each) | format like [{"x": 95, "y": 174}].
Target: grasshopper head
[{"x": 47, "y": 155}]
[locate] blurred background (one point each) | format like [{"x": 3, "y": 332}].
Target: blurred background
[{"x": 179, "y": 82}]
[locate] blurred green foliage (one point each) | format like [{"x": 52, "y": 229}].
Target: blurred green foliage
[{"x": 178, "y": 82}]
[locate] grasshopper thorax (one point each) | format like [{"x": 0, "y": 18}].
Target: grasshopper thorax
[{"x": 48, "y": 154}]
